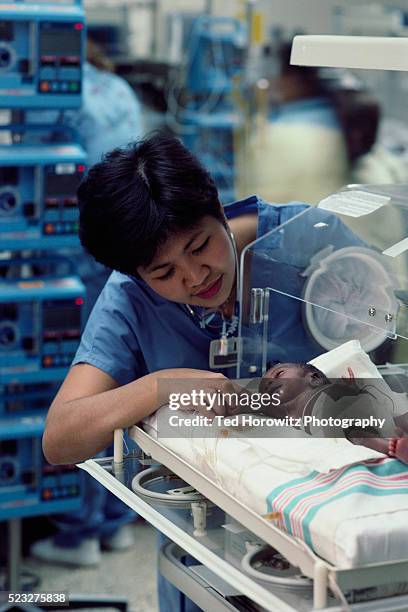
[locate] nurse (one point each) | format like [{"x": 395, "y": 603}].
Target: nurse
[{"x": 151, "y": 212}]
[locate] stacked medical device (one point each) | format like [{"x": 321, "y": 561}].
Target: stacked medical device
[
  {"x": 42, "y": 49},
  {"x": 210, "y": 118}
]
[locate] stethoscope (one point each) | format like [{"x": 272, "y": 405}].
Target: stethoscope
[{"x": 228, "y": 327}]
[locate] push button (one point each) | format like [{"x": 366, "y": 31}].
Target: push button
[
  {"x": 49, "y": 228},
  {"x": 48, "y": 361}
]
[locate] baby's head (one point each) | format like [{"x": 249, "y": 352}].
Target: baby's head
[{"x": 290, "y": 380}]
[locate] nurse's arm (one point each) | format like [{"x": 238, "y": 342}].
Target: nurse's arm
[
  {"x": 88, "y": 408},
  {"x": 90, "y": 405}
]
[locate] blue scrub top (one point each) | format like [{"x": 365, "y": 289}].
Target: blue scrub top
[
  {"x": 312, "y": 111},
  {"x": 132, "y": 331}
]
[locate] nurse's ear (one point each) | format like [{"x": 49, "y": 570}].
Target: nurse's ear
[{"x": 315, "y": 380}]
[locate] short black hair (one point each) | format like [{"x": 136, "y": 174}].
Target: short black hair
[
  {"x": 311, "y": 369},
  {"x": 309, "y": 75},
  {"x": 138, "y": 196},
  {"x": 360, "y": 114}
]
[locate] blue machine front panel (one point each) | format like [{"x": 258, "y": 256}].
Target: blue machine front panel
[
  {"x": 41, "y": 55},
  {"x": 22, "y": 407},
  {"x": 40, "y": 327},
  {"x": 29, "y": 486},
  {"x": 38, "y": 203}
]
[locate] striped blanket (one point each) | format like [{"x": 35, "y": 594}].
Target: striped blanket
[{"x": 336, "y": 501}]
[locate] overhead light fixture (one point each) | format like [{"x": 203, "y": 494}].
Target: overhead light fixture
[{"x": 366, "y": 52}]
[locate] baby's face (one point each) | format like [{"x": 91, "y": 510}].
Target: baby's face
[{"x": 288, "y": 380}]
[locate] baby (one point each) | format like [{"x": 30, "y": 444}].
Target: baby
[{"x": 305, "y": 390}]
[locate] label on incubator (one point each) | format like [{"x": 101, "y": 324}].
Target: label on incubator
[
  {"x": 397, "y": 249},
  {"x": 354, "y": 203}
]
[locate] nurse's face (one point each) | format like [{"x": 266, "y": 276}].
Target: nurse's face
[{"x": 194, "y": 267}]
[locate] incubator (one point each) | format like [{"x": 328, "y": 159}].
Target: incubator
[{"x": 293, "y": 524}]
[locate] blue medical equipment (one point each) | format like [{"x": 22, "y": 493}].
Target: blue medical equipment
[
  {"x": 216, "y": 54},
  {"x": 42, "y": 49},
  {"x": 29, "y": 486},
  {"x": 40, "y": 325},
  {"x": 38, "y": 203}
]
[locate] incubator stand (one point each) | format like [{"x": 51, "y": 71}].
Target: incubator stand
[{"x": 343, "y": 276}]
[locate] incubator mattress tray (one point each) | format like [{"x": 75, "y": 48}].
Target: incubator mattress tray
[{"x": 347, "y": 502}]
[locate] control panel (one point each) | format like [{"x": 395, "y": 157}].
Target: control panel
[
  {"x": 40, "y": 326},
  {"x": 29, "y": 486},
  {"x": 38, "y": 202},
  {"x": 42, "y": 49}
]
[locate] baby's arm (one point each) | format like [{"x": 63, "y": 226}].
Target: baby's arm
[{"x": 378, "y": 444}]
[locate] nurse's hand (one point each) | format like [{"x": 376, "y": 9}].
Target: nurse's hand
[{"x": 205, "y": 392}]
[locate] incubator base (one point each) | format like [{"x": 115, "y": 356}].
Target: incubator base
[{"x": 219, "y": 580}]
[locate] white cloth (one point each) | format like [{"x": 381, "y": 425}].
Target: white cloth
[
  {"x": 296, "y": 161},
  {"x": 335, "y": 363},
  {"x": 379, "y": 167}
]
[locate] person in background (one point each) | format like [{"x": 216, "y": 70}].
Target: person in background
[
  {"x": 110, "y": 112},
  {"x": 110, "y": 116},
  {"x": 298, "y": 151},
  {"x": 370, "y": 162}
]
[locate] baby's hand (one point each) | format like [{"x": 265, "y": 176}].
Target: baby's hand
[{"x": 350, "y": 378}]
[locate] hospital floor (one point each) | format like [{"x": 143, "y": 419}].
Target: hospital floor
[{"x": 130, "y": 574}]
